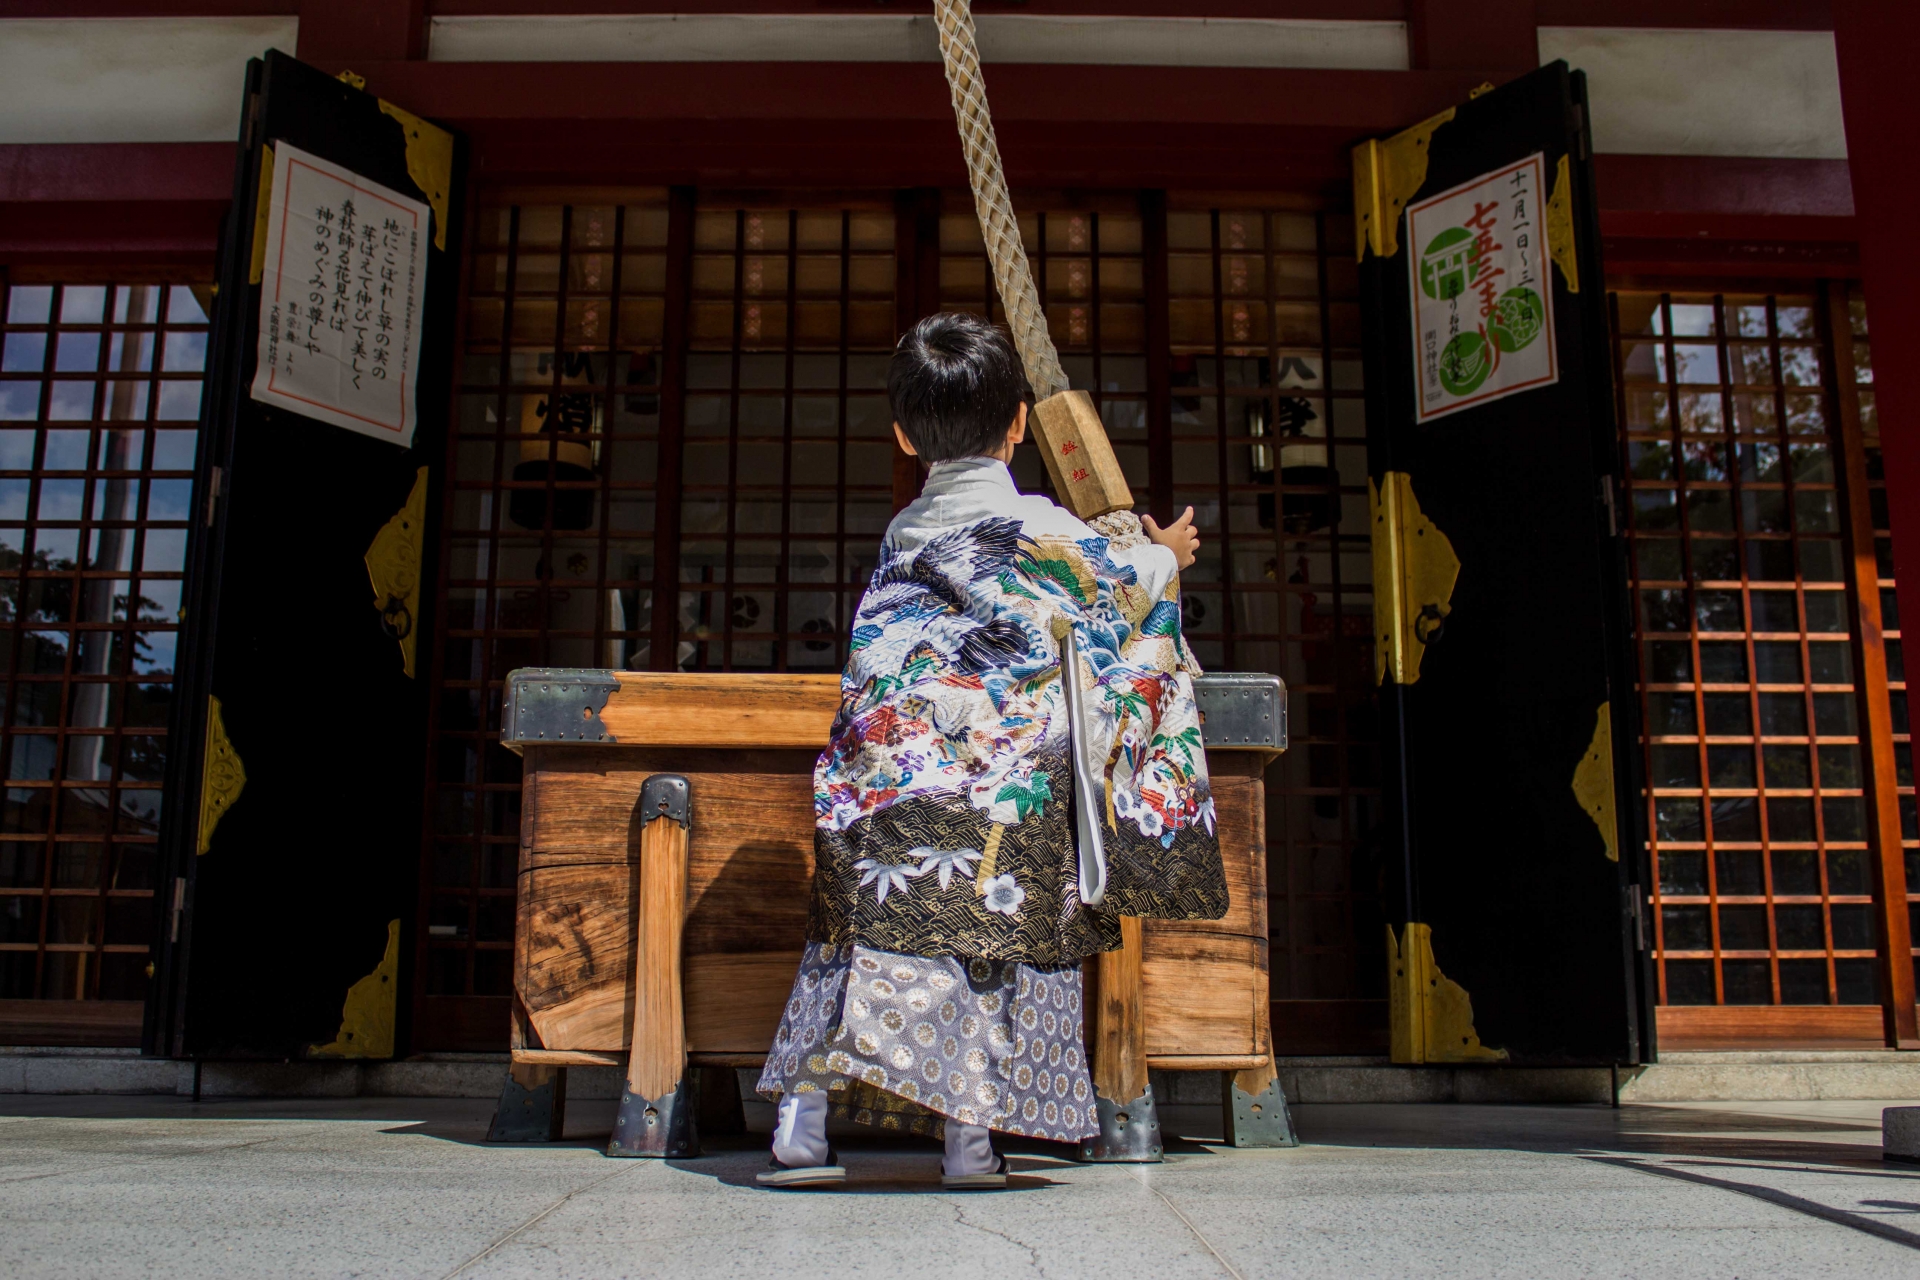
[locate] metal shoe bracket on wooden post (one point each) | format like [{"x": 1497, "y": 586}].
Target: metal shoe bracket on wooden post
[
  {"x": 658, "y": 1106},
  {"x": 1117, "y": 1042},
  {"x": 533, "y": 1105}
]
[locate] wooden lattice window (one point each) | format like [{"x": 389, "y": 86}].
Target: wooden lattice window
[
  {"x": 1220, "y": 345},
  {"x": 1755, "y": 753},
  {"x": 99, "y": 403},
  {"x": 1268, "y": 444},
  {"x": 1091, "y": 272},
  {"x": 788, "y": 456},
  {"x": 549, "y": 550}
]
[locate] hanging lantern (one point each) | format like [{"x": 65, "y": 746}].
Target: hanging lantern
[
  {"x": 559, "y": 443},
  {"x": 1299, "y": 438}
]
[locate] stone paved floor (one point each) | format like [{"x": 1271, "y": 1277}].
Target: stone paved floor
[{"x": 120, "y": 1187}]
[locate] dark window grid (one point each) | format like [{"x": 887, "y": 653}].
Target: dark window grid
[
  {"x": 482, "y": 812},
  {"x": 757, "y": 566},
  {"x": 72, "y": 805},
  {"x": 1675, "y": 435},
  {"x": 463, "y": 714},
  {"x": 1316, "y": 927},
  {"x": 1076, "y": 315}
]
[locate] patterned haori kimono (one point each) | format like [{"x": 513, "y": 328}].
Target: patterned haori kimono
[{"x": 949, "y": 917}]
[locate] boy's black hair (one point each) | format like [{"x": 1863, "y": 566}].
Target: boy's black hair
[{"x": 954, "y": 384}]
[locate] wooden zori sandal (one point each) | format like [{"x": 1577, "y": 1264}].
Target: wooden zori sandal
[{"x": 786, "y": 1177}]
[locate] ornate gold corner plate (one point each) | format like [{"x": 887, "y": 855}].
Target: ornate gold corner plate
[
  {"x": 1386, "y": 173},
  {"x": 1406, "y": 1029},
  {"x": 221, "y": 778},
  {"x": 1593, "y": 781},
  {"x": 261, "y": 208},
  {"x": 1414, "y": 572},
  {"x": 393, "y": 565},
  {"x": 353, "y": 80},
  {"x": 429, "y": 163},
  {"x": 1560, "y": 227},
  {"x": 1432, "y": 1015},
  {"x": 366, "y": 1019}
]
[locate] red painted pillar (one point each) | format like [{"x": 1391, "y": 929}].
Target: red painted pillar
[{"x": 1875, "y": 41}]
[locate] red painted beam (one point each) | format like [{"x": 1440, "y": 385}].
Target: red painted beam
[
  {"x": 837, "y": 124},
  {"x": 158, "y": 201},
  {"x": 154, "y": 171},
  {"x": 474, "y": 94},
  {"x": 1720, "y": 215},
  {"x": 1724, "y": 185}
]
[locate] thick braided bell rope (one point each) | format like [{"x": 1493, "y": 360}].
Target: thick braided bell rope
[{"x": 1001, "y": 230}]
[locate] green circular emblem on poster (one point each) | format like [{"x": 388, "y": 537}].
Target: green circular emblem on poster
[
  {"x": 1447, "y": 267},
  {"x": 1465, "y": 363},
  {"x": 1517, "y": 319}
]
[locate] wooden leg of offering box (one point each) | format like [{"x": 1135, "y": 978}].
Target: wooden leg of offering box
[
  {"x": 658, "y": 1105},
  {"x": 533, "y": 1105},
  {"x": 1253, "y": 1109},
  {"x": 1117, "y": 1041}
]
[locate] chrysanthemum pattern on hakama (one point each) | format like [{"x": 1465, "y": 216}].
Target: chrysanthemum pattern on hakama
[{"x": 908, "y": 1042}]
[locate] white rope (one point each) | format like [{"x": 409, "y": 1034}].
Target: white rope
[{"x": 998, "y": 226}]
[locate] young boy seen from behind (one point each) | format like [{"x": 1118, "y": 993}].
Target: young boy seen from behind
[{"x": 940, "y": 989}]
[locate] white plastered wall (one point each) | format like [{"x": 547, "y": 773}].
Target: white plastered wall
[
  {"x": 129, "y": 79},
  {"x": 1707, "y": 93},
  {"x": 902, "y": 37}
]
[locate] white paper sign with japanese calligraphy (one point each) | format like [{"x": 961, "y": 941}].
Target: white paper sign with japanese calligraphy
[
  {"x": 340, "y": 302},
  {"x": 1482, "y": 313}
]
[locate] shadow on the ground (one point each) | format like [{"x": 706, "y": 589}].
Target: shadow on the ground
[
  {"x": 1639, "y": 1129},
  {"x": 1708, "y": 1133}
]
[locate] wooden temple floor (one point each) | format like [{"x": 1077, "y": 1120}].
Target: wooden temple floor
[{"x": 106, "y": 1187}]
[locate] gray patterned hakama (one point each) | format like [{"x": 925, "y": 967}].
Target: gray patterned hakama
[{"x": 909, "y": 1042}]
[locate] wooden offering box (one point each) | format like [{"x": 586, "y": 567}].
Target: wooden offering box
[{"x": 746, "y": 745}]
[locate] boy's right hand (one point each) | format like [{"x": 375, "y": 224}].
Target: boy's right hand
[{"x": 1180, "y": 537}]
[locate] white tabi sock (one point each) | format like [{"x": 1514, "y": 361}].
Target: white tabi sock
[
  {"x": 969, "y": 1150},
  {"x": 800, "y": 1136}
]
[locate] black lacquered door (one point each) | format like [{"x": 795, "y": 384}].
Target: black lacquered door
[
  {"x": 1500, "y": 601},
  {"x": 293, "y": 808}
]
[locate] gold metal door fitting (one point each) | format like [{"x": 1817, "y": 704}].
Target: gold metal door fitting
[
  {"x": 1414, "y": 572},
  {"x": 366, "y": 1016},
  {"x": 429, "y": 163},
  {"x": 1560, "y": 226},
  {"x": 393, "y": 564},
  {"x": 1593, "y": 782},
  {"x": 1431, "y": 1014},
  {"x": 221, "y": 778},
  {"x": 262, "y": 210},
  {"x": 1386, "y": 173}
]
